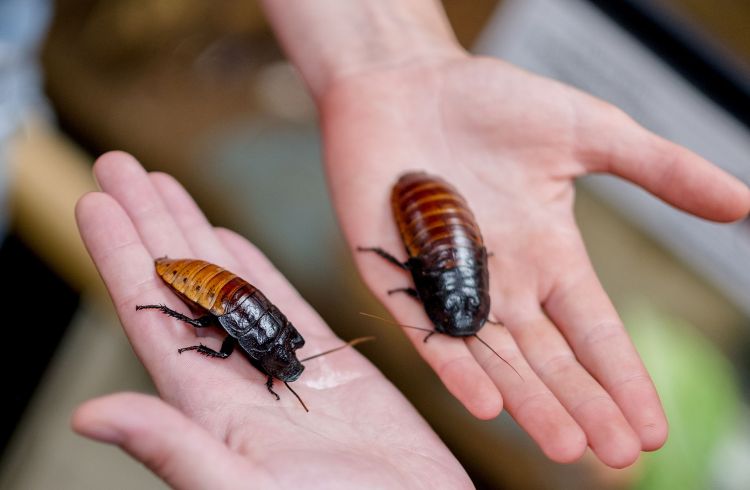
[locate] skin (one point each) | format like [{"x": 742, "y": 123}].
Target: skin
[
  {"x": 216, "y": 425},
  {"x": 395, "y": 92}
]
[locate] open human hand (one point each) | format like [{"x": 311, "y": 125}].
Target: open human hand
[
  {"x": 217, "y": 425},
  {"x": 513, "y": 144}
]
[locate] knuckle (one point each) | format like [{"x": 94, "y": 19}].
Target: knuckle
[
  {"x": 599, "y": 399},
  {"x": 603, "y": 332},
  {"x": 559, "y": 364},
  {"x": 637, "y": 379}
]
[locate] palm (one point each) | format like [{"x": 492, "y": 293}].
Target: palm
[
  {"x": 360, "y": 431},
  {"x": 512, "y": 144}
]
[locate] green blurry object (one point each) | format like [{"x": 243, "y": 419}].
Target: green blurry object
[{"x": 700, "y": 394}]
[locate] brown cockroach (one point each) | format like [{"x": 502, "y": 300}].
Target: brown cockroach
[
  {"x": 265, "y": 335},
  {"x": 447, "y": 256}
]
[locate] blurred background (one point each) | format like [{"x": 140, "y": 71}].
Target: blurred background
[{"x": 201, "y": 90}]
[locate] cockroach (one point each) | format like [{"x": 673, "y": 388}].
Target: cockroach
[
  {"x": 446, "y": 255},
  {"x": 264, "y": 334}
]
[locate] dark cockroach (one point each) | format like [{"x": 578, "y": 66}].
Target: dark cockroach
[
  {"x": 264, "y": 334},
  {"x": 447, "y": 257}
]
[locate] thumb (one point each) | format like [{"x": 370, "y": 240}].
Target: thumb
[
  {"x": 179, "y": 451},
  {"x": 615, "y": 143}
]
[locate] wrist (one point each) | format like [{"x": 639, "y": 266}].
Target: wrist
[
  {"x": 330, "y": 41},
  {"x": 391, "y": 40}
]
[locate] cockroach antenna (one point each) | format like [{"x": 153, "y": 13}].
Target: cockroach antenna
[
  {"x": 351, "y": 343},
  {"x": 432, "y": 332},
  {"x": 498, "y": 355},
  {"x": 298, "y": 397}
]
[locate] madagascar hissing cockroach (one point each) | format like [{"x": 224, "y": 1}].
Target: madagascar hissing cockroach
[
  {"x": 447, "y": 257},
  {"x": 265, "y": 335}
]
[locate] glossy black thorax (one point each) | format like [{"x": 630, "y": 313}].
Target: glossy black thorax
[
  {"x": 455, "y": 298},
  {"x": 266, "y": 336}
]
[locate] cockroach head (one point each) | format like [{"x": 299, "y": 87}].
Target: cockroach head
[
  {"x": 281, "y": 362},
  {"x": 463, "y": 314}
]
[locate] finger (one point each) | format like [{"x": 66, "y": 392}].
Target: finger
[
  {"x": 191, "y": 221},
  {"x": 613, "y": 142},
  {"x": 122, "y": 177},
  {"x": 608, "y": 433},
  {"x": 581, "y": 309},
  {"x": 449, "y": 357},
  {"x": 128, "y": 272},
  {"x": 461, "y": 374},
  {"x": 529, "y": 400},
  {"x": 232, "y": 251},
  {"x": 166, "y": 442}
]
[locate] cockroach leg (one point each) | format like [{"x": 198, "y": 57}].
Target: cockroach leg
[
  {"x": 269, "y": 385},
  {"x": 202, "y": 322},
  {"x": 390, "y": 258},
  {"x": 410, "y": 291},
  {"x": 226, "y": 349}
]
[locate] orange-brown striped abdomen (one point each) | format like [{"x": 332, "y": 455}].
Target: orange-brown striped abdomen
[
  {"x": 432, "y": 216},
  {"x": 207, "y": 285}
]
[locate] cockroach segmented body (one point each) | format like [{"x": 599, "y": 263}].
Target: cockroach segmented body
[
  {"x": 447, "y": 256},
  {"x": 264, "y": 334}
]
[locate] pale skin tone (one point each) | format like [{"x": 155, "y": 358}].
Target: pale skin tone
[{"x": 396, "y": 93}]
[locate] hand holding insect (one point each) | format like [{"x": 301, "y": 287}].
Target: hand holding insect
[
  {"x": 513, "y": 144},
  {"x": 218, "y": 427}
]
